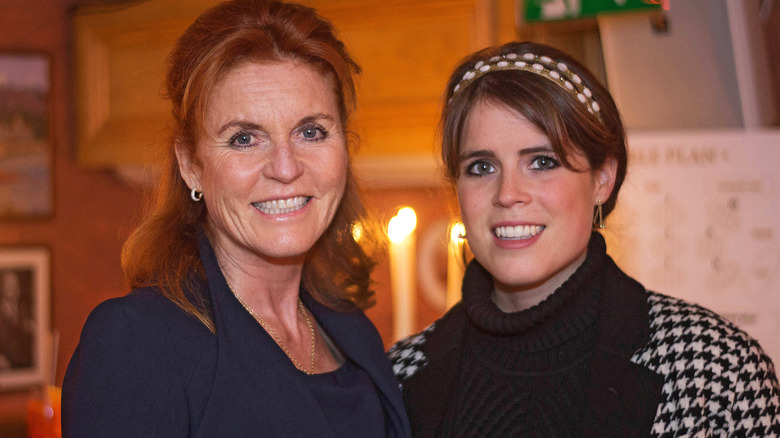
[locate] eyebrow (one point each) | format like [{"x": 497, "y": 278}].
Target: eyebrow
[
  {"x": 482, "y": 153},
  {"x": 536, "y": 150},
  {"x": 240, "y": 124},
  {"x": 485, "y": 153},
  {"x": 315, "y": 117},
  {"x": 256, "y": 127}
]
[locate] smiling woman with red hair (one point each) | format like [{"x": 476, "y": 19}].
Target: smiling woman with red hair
[{"x": 245, "y": 318}]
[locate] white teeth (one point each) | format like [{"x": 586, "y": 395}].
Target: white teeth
[
  {"x": 518, "y": 232},
  {"x": 280, "y": 206}
]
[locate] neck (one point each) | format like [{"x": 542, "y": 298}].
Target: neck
[
  {"x": 270, "y": 287},
  {"x": 510, "y": 300}
]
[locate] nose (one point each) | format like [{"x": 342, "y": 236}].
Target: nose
[
  {"x": 284, "y": 165},
  {"x": 511, "y": 190}
]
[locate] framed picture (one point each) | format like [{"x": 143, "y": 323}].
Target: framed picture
[
  {"x": 25, "y": 146},
  {"x": 24, "y": 317}
]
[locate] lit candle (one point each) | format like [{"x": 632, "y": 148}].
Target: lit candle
[
  {"x": 400, "y": 230},
  {"x": 454, "y": 264}
]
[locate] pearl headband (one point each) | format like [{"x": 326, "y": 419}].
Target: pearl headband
[{"x": 544, "y": 66}]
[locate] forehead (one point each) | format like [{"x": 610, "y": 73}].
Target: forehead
[
  {"x": 269, "y": 76},
  {"x": 498, "y": 128},
  {"x": 279, "y": 86},
  {"x": 496, "y": 123}
]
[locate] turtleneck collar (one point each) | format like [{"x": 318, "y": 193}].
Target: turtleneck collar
[{"x": 483, "y": 312}]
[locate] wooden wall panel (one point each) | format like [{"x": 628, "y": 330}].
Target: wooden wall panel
[
  {"x": 120, "y": 54},
  {"x": 406, "y": 49}
]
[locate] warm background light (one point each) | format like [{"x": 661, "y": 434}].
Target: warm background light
[
  {"x": 401, "y": 224},
  {"x": 457, "y": 232},
  {"x": 403, "y": 264},
  {"x": 455, "y": 264},
  {"x": 357, "y": 232}
]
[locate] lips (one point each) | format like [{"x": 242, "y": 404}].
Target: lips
[
  {"x": 281, "y": 206},
  {"x": 517, "y": 232}
]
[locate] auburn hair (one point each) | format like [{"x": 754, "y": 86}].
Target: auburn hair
[
  {"x": 163, "y": 250},
  {"x": 566, "y": 122}
]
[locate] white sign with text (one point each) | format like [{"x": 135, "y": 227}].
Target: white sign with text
[{"x": 698, "y": 218}]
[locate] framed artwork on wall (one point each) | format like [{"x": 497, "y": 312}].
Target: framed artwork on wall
[
  {"x": 25, "y": 144},
  {"x": 24, "y": 317}
]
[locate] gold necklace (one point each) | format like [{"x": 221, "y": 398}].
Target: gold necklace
[{"x": 276, "y": 337}]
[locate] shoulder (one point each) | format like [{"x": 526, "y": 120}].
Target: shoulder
[
  {"x": 413, "y": 353},
  {"x": 140, "y": 325},
  {"x": 679, "y": 327},
  {"x": 142, "y": 310},
  {"x": 407, "y": 355},
  {"x": 134, "y": 363},
  {"x": 119, "y": 317},
  {"x": 138, "y": 304},
  {"x": 713, "y": 371}
]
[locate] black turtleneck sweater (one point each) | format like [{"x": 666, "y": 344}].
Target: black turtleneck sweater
[{"x": 525, "y": 373}]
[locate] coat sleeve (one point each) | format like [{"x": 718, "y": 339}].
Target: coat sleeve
[
  {"x": 756, "y": 407},
  {"x": 120, "y": 381}
]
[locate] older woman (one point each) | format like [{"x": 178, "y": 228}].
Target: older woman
[
  {"x": 551, "y": 337},
  {"x": 245, "y": 319}
]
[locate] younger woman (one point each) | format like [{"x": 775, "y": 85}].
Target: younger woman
[{"x": 551, "y": 337}]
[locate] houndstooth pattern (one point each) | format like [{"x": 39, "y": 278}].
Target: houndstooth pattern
[
  {"x": 406, "y": 355},
  {"x": 717, "y": 380}
]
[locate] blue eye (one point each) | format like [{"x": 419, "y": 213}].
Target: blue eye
[
  {"x": 309, "y": 133},
  {"x": 241, "y": 140},
  {"x": 313, "y": 133},
  {"x": 480, "y": 168},
  {"x": 544, "y": 162}
]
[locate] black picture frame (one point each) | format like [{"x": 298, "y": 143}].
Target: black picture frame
[{"x": 25, "y": 353}]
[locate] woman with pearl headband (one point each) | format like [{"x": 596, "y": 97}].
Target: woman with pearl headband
[{"x": 551, "y": 338}]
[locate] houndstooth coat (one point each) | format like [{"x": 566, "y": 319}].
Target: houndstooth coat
[{"x": 662, "y": 367}]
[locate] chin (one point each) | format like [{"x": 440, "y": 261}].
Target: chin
[
  {"x": 513, "y": 277},
  {"x": 520, "y": 283}
]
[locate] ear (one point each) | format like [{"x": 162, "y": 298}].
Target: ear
[
  {"x": 188, "y": 167},
  {"x": 604, "y": 179}
]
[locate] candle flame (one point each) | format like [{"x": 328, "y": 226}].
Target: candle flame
[
  {"x": 457, "y": 232},
  {"x": 401, "y": 225}
]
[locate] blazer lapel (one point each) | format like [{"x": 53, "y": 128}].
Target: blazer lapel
[
  {"x": 622, "y": 396},
  {"x": 359, "y": 340},
  {"x": 254, "y": 383}
]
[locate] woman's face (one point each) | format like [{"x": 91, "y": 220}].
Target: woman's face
[
  {"x": 528, "y": 219},
  {"x": 271, "y": 161}
]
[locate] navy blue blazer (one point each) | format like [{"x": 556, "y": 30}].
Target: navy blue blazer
[{"x": 145, "y": 368}]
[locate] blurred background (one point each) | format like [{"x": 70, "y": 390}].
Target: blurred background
[{"x": 82, "y": 122}]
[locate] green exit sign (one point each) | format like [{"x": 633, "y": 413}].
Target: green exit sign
[{"x": 556, "y": 10}]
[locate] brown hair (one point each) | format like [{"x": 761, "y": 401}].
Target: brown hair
[
  {"x": 163, "y": 250},
  {"x": 571, "y": 128}
]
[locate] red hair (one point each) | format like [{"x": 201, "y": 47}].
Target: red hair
[{"x": 163, "y": 250}]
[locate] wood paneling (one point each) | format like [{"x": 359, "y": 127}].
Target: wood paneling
[
  {"x": 406, "y": 48},
  {"x": 120, "y": 67}
]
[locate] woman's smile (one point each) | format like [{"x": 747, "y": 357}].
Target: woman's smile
[
  {"x": 517, "y": 232},
  {"x": 282, "y": 206}
]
